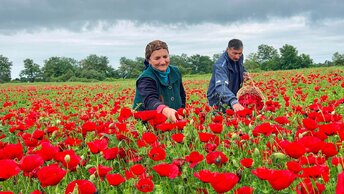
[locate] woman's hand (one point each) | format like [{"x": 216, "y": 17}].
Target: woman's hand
[{"x": 171, "y": 114}]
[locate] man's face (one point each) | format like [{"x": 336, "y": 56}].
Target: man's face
[{"x": 234, "y": 54}]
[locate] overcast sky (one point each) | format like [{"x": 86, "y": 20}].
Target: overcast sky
[{"x": 40, "y": 29}]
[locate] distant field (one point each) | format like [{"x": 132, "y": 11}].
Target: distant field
[{"x": 54, "y": 136}]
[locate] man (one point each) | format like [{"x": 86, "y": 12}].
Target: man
[{"x": 227, "y": 77}]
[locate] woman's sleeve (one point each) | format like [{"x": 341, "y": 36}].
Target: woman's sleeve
[{"x": 149, "y": 92}]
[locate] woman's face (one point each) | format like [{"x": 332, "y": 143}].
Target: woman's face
[{"x": 160, "y": 59}]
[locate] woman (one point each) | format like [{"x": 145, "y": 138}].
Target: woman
[{"x": 159, "y": 87}]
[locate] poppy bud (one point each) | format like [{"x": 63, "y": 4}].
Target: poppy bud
[
  {"x": 67, "y": 158},
  {"x": 234, "y": 136},
  {"x": 235, "y": 163},
  {"x": 279, "y": 155},
  {"x": 256, "y": 152},
  {"x": 192, "y": 121},
  {"x": 92, "y": 177},
  {"x": 302, "y": 134}
]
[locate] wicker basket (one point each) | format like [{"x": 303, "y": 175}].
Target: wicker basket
[{"x": 255, "y": 96}]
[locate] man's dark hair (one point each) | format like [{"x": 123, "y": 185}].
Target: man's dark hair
[{"x": 235, "y": 44}]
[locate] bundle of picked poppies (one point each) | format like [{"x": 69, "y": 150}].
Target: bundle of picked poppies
[{"x": 251, "y": 97}]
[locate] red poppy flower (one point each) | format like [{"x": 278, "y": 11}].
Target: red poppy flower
[
  {"x": 216, "y": 127},
  {"x": 124, "y": 114},
  {"x": 244, "y": 190},
  {"x": 149, "y": 137},
  {"x": 12, "y": 151},
  {"x": 169, "y": 170},
  {"x": 337, "y": 160},
  {"x": 29, "y": 163},
  {"x": 223, "y": 182},
  {"x": 115, "y": 179},
  {"x": 309, "y": 124},
  {"x": 246, "y": 162},
  {"x": 281, "y": 179},
  {"x": 137, "y": 169},
  {"x": 165, "y": 127},
  {"x": 47, "y": 151},
  {"x": 8, "y": 169},
  {"x": 311, "y": 143},
  {"x": 205, "y": 137},
  {"x": 145, "y": 115},
  {"x": 217, "y": 158},
  {"x": 308, "y": 186},
  {"x": 264, "y": 128},
  {"x": 100, "y": 171},
  {"x": 294, "y": 167},
  {"x": 340, "y": 183},
  {"x": 178, "y": 137},
  {"x": 318, "y": 171},
  {"x": 180, "y": 124},
  {"x": 282, "y": 120},
  {"x": 38, "y": 134},
  {"x": 83, "y": 187},
  {"x": 71, "y": 141},
  {"x": 262, "y": 173},
  {"x": 157, "y": 154},
  {"x": 194, "y": 158},
  {"x": 145, "y": 185},
  {"x": 98, "y": 145},
  {"x": 204, "y": 175},
  {"x": 294, "y": 149},
  {"x": 329, "y": 149},
  {"x": 111, "y": 153},
  {"x": 50, "y": 175},
  {"x": 69, "y": 159}
]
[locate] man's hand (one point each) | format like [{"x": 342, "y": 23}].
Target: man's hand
[
  {"x": 246, "y": 76},
  {"x": 171, "y": 114},
  {"x": 236, "y": 107}
]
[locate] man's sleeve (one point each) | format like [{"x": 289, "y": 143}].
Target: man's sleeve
[{"x": 221, "y": 85}]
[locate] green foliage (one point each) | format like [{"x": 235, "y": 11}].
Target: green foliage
[
  {"x": 338, "y": 59},
  {"x": 181, "y": 61},
  {"x": 31, "y": 71},
  {"x": 200, "y": 64},
  {"x": 5, "y": 69},
  {"x": 100, "y": 64},
  {"x": 56, "y": 67},
  {"x": 130, "y": 68}
]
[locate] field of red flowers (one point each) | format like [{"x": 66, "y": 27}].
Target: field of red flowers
[{"x": 85, "y": 138}]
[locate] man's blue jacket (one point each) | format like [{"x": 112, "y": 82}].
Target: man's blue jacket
[{"x": 226, "y": 80}]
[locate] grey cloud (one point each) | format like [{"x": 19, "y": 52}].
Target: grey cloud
[{"x": 73, "y": 14}]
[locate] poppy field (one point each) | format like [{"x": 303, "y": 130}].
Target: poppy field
[{"x": 85, "y": 138}]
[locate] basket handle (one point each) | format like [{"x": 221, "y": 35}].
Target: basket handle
[{"x": 252, "y": 81}]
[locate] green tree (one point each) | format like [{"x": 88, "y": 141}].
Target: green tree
[
  {"x": 31, "y": 71},
  {"x": 5, "y": 69},
  {"x": 251, "y": 62},
  {"x": 200, "y": 64},
  {"x": 56, "y": 67},
  {"x": 130, "y": 68},
  {"x": 338, "y": 59},
  {"x": 289, "y": 58},
  {"x": 181, "y": 61},
  {"x": 97, "y": 63},
  {"x": 266, "y": 53},
  {"x": 305, "y": 61}
]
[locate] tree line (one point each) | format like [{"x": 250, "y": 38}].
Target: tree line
[{"x": 97, "y": 68}]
